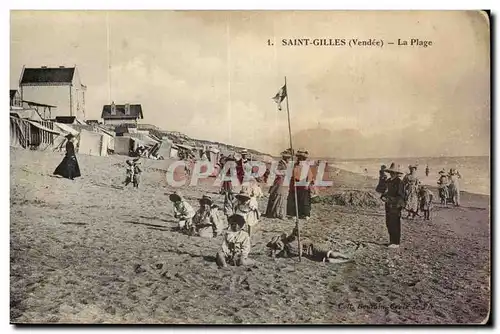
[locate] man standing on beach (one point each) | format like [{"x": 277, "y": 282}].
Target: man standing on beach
[{"x": 394, "y": 203}]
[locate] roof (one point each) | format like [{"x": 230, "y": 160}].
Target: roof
[
  {"x": 45, "y": 75},
  {"x": 135, "y": 112},
  {"x": 41, "y": 127},
  {"x": 36, "y": 104}
]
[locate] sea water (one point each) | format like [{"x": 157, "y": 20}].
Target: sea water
[{"x": 475, "y": 171}]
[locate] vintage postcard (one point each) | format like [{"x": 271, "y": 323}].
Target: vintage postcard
[{"x": 250, "y": 167}]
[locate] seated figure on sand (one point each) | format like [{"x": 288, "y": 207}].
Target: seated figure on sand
[
  {"x": 183, "y": 211},
  {"x": 236, "y": 245},
  {"x": 285, "y": 245},
  {"x": 207, "y": 221},
  {"x": 247, "y": 207}
]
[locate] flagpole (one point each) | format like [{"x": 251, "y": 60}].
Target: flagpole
[{"x": 294, "y": 182}]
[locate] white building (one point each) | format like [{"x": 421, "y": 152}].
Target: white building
[
  {"x": 118, "y": 114},
  {"x": 60, "y": 87}
]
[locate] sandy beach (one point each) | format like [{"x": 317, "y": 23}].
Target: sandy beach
[{"x": 88, "y": 251}]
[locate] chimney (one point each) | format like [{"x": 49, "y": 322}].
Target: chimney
[
  {"x": 113, "y": 108},
  {"x": 127, "y": 109}
]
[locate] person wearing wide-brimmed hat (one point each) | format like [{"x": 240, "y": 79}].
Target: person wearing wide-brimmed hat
[
  {"x": 278, "y": 192},
  {"x": 236, "y": 246},
  {"x": 394, "y": 203},
  {"x": 410, "y": 182},
  {"x": 207, "y": 221},
  {"x": 183, "y": 211},
  {"x": 248, "y": 207},
  {"x": 301, "y": 186},
  {"x": 69, "y": 168},
  {"x": 241, "y": 166},
  {"x": 443, "y": 183}
]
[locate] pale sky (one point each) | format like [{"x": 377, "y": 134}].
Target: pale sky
[{"x": 211, "y": 75}]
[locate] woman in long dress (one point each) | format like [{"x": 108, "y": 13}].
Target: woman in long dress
[
  {"x": 303, "y": 190},
  {"x": 276, "y": 206},
  {"x": 454, "y": 187},
  {"x": 411, "y": 184},
  {"x": 69, "y": 168}
]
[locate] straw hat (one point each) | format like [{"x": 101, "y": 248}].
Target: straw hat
[
  {"x": 205, "y": 199},
  {"x": 413, "y": 166},
  {"x": 394, "y": 169},
  {"x": 286, "y": 153},
  {"x": 302, "y": 153},
  {"x": 244, "y": 194}
]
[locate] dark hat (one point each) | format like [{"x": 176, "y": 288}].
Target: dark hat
[
  {"x": 442, "y": 171},
  {"x": 205, "y": 199},
  {"x": 237, "y": 219},
  {"x": 69, "y": 136},
  {"x": 128, "y": 162},
  {"x": 244, "y": 194},
  {"x": 413, "y": 166},
  {"x": 383, "y": 167},
  {"x": 175, "y": 197}
]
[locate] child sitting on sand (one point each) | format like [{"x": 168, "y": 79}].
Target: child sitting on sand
[
  {"x": 133, "y": 173},
  {"x": 425, "y": 197},
  {"x": 207, "y": 222},
  {"x": 183, "y": 211},
  {"x": 236, "y": 245},
  {"x": 286, "y": 246},
  {"x": 247, "y": 207}
]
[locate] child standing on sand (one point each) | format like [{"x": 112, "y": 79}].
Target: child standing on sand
[
  {"x": 133, "y": 173},
  {"x": 247, "y": 207},
  {"x": 236, "y": 245},
  {"x": 425, "y": 200},
  {"x": 183, "y": 211}
]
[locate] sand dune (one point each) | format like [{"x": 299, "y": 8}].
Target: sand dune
[{"x": 89, "y": 251}]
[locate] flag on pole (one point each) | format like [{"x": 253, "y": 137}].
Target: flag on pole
[{"x": 280, "y": 96}]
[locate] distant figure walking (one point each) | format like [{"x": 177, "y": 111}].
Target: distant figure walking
[
  {"x": 454, "y": 186},
  {"x": 69, "y": 168},
  {"x": 410, "y": 183},
  {"x": 394, "y": 203},
  {"x": 276, "y": 206},
  {"x": 443, "y": 187},
  {"x": 427, "y": 170},
  {"x": 303, "y": 189}
]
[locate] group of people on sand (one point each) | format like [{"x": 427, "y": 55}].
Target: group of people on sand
[
  {"x": 239, "y": 218},
  {"x": 409, "y": 194}
]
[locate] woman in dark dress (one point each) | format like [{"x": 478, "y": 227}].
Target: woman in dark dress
[{"x": 68, "y": 168}]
